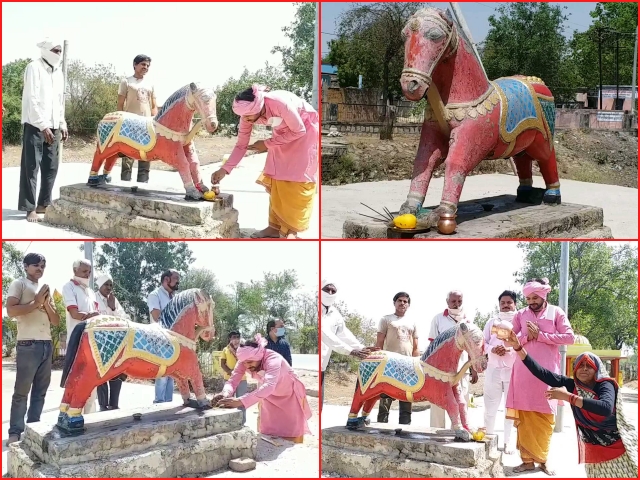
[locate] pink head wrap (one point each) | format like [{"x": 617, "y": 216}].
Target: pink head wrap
[
  {"x": 538, "y": 288},
  {"x": 243, "y": 108},
  {"x": 252, "y": 354}
]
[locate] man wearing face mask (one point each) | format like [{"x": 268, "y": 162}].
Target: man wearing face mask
[
  {"x": 81, "y": 304},
  {"x": 542, "y": 327},
  {"x": 397, "y": 334},
  {"x": 452, "y": 316},
  {"x": 43, "y": 128},
  {"x": 335, "y": 334},
  {"x": 276, "y": 340},
  {"x": 498, "y": 374},
  {"x": 157, "y": 300}
]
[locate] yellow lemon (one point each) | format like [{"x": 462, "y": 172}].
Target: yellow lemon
[
  {"x": 478, "y": 436},
  {"x": 405, "y": 221},
  {"x": 210, "y": 195}
]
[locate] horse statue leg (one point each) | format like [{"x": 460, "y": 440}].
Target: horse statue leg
[
  {"x": 431, "y": 153},
  {"x": 457, "y": 411},
  {"x": 545, "y": 154},
  {"x": 354, "y": 421},
  {"x": 367, "y": 407},
  {"x": 194, "y": 167},
  {"x": 198, "y": 388},
  {"x": 192, "y": 193},
  {"x": 183, "y": 387},
  {"x": 95, "y": 178},
  {"x": 524, "y": 167}
]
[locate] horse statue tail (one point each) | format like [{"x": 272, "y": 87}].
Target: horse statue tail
[{"x": 72, "y": 350}]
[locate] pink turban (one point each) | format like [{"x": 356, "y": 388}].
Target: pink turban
[
  {"x": 537, "y": 288},
  {"x": 252, "y": 354},
  {"x": 243, "y": 108}
]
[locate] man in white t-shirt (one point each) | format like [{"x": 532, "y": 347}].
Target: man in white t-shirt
[
  {"x": 452, "y": 316},
  {"x": 136, "y": 94},
  {"x": 81, "y": 304},
  {"x": 34, "y": 311},
  {"x": 397, "y": 334}
]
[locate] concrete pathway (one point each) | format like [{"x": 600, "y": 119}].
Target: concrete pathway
[
  {"x": 620, "y": 204},
  {"x": 285, "y": 461},
  {"x": 563, "y": 456},
  {"x": 250, "y": 199}
]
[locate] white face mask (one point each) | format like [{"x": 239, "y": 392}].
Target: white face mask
[
  {"x": 82, "y": 281},
  {"x": 507, "y": 316},
  {"x": 51, "y": 58},
  {"x": 456, "y": 313},
  {"x": 327, "y": 299}
]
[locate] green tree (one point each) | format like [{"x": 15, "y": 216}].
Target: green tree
[
  {"x": 603, "y": 287},
  {"x": 12, "y": 267},
  {"x": 297, "y": 59},
  {"x": 527, "y": 39},
  {"x": 364, "y": 329},
  {"x": 12, "y": 85},
  {"x": 136, "y": 268},
  {"x": 270, "y": 76}
]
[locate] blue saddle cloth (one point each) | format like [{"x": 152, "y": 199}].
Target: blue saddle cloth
[
  {"x": 402, "y": 369},
  {"x": 108, "y": 343},
  {"x": 153, "y": 342},
  {"x": 133, "y": 127},
  {"x": 520, "y": 102}
]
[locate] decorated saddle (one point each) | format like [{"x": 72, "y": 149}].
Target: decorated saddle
[
  {"x": 114, "y": 340},
  {"x": 133, "y": 130},
  {"x": 522, "y": 108},
  {"x": 398, "y": 370}
]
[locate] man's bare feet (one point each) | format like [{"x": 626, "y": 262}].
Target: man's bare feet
[
  {"x": 524, "y": 467},
  {"x": 41, "y": 209},
  {"x": 33, "y": 217},
  {"x": 547, "y": 470},
  {"x": 292, "y": 236},
  {"x": 268, "y": 232}
]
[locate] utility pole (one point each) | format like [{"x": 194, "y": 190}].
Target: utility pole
[
  {"x": 314, "y": 92},
  {"x": 599, "y": 32},
  {"x": 563, "y": 304},
  {"x": 88, "y": 254},
  {"x": 617, "y": 70},
  {"x": 65, "y": 64},
  {"x": 635, "y": 68}
]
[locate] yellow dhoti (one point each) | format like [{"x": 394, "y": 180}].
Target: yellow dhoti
[
  {"x": 290, "y": 204},
  {"x": 534, "y": 434}
]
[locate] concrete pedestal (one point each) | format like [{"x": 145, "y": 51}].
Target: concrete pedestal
[
  {"x": 500, "y": 217},
  {"x": 168, "y": 441},
  {"x": 412, "y": 453},
  {"x": 115, "y": 211}
]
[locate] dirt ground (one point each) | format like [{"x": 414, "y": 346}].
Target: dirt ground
[
  {"x": 210, "y": 148},
  {"x": 584, "y": 155}
]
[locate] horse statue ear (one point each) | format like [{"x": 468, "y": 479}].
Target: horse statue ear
[
  {"x": 464, "y": 327},
  {"x": 448, "y": 17},
  {"x": 194, "y": 87}
]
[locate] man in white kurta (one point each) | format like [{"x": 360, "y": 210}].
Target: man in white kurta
[
  {"x": 498, "y": 374},
  {"x": 452, "y": 316},
  {"x": 80, "y": 302},
  {"x": 335, "y": 334}
]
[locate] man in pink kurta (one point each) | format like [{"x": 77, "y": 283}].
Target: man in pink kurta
[
  {"x": 282, "y": 397},
  {"x": 542, "y": 328},
  {"x": 291, "y": 169}
]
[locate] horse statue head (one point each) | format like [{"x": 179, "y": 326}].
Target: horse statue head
[
  {"x": 430, "y": 37},
  {"x": 466, "y": 337},
  {"x": 178, "y": 110},
  {"x": 190, "y": 314}
]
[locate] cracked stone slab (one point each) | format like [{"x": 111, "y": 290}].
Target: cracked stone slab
[
  {"x": 114, "y": 211},
  {"x": 505, "y": 219}
]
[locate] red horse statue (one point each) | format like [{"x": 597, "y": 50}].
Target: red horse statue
[
  {"x": 167, "y": 137},
  {"x": 105, "y": 347},
  {"x": 470, "y": 118},
  {"x": 433, "y": 377}
]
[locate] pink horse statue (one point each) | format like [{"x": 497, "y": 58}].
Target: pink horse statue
[
  {"x": 434, "y": 377},
  {"x": 470, "y": 118},
  {"x": 167, "y": 137}
]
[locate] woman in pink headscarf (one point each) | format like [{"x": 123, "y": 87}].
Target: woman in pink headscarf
[
  {"x": 281, "y": 396},
  {"x": 290, "y": 172}
]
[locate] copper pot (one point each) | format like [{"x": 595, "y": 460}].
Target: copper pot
[{"x": 447, "y": 223}]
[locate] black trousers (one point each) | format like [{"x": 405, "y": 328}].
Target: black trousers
[
  {"x": 37, "y": 155},
  {"x": 104, "y": 399},
  {"x": 385, "y": 406},
  {"x": 127, "y": 170}
]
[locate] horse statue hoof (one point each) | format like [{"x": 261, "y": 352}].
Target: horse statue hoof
[
  {"x": 71, "y": 424},
  {"x": 96, "y": 180},
  {"x": 552, "y": 197},
  {"x": 357, "y": 423},
  {"x": 462, "y": 435},
  {"x": 193, "y": 195}
]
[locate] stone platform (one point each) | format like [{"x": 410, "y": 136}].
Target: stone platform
[
  {"x": 115, "y": 211},
  {"x": 412, "y": 453},
  {"x": 168, "y": 441},
  {"x": 499, "y": 217}
]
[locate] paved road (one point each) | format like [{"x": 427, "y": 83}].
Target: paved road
[
  {"x": 250, "y": 199},
  {"x": 286, "y": 461},
  {"x": 563, "y": 456},
  {"x": 620, "y": 204}
]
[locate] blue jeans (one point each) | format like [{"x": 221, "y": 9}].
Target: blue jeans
[
  {"x": 164, "y": 390},
  {"x": 240, "y": 391},
  {"x": 33, "y": 372}
]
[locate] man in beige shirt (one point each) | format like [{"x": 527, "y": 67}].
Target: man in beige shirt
[
  {"x": 34, "y": 312},
  {"x": 400, "y": 335},
  {"x": 137, "y": 95}
]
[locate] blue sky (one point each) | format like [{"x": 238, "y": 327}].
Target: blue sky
[{"x": 476, "y": 15}]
